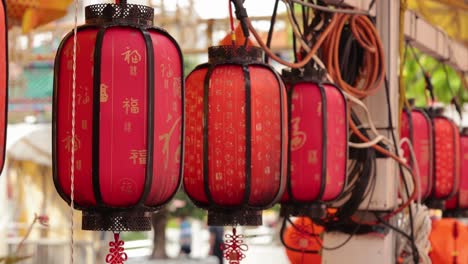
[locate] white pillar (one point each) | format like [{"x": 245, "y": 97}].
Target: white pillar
[{"x": 374, "y": 248}]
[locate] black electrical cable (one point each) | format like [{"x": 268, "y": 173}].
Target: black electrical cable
[
  {"x": 362, "y": 174},
  {"x": 272, "y": 28},
  {"x": 427, "y": 77},
  {"x": 405, "y": 183}
]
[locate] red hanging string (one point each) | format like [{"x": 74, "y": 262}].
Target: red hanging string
[
  {"x": 231, "y": 20},
  {"x": 116, "y": 252},
  {"x": 234, "y": 247}
]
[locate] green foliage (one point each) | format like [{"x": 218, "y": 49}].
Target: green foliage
[
  {"x": 190, "y": 62},
  {"x": 130, "y": 236},
  {"x": 415, "y": 82}
]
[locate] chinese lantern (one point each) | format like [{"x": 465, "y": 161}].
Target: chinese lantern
[
  {"x": 236, "y": 136},
  {"x": 459, "y": 203},
  {"x": 318, "y": 148},
  {"x": 446, "y": 157},
  {"x": 3, "y": 81},
  {"x": 416, "y": 126},
  {"x": 128, "y": 115},
  {"x": 302, "y": 241}
]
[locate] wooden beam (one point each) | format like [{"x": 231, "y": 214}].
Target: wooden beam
[{"x": 435, "y": 42}]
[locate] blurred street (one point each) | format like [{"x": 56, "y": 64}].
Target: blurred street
[{"x": 262, "y": 248}]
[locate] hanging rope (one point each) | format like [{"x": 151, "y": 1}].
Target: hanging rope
[{"x": 72, "y": 166}]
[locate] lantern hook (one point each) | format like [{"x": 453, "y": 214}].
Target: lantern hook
[{"x": 241, "y": 15}]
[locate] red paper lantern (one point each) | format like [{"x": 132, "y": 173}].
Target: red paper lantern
[
  {"x": 3, "y": 81},
  {"x": 129, "y": 116},
  {"x": 463, "y": 193},
  {"x": 318, "y": 143},
  {"x": 459, "y": 203},
  {"x": 417, "y": 127},
  {"x": 446, "y": 157},
  {"x": 236, "y": 136}
]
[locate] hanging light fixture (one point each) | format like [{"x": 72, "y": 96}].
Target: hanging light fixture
[
  {"x": 126, "y": 139},
  {"x": 459, "y": 204},
  {"x": 3, "y": 81},
  {"x": 236, "y": 136},
  {"x": 318, "y": 143},
  {"x": 446, "y": 156},
  {"x": 416, "y": 126}
]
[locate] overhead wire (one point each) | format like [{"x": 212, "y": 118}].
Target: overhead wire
[{"x": 329, "y": 9}]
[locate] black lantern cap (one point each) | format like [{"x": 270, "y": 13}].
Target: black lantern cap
[
  {"x": 465, "y": 131},
  {"x": 235, "y": 54},
  {"x": 116, "y": 221},
  {"x": 234, "y": 218},
  {"x": 310, "y": 73},
  {"x": 315, "y": 210},
  {"x": 120, "y": 14}
]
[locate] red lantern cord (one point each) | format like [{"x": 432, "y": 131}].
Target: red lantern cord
[
  {"x": 231, "y": 20},
  {"x": 234, "y": 247},
  {"x": 116, "y": 252}
]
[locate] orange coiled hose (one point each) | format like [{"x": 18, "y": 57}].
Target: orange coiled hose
[
  {"x": 373, "y": 70},
  {"x": 372, "y": 76}
]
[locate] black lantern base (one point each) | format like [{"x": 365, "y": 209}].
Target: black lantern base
[
  {"x": 234, "y": 218},
  {"x": 311, "y": 210},
  {"x": 116, "y": 221},
  {"x": 435, "y": 204}
]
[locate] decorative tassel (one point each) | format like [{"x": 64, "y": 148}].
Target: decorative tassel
[
  {"x": 234, "y": 247},
  {"x": 116, "y": 252}
]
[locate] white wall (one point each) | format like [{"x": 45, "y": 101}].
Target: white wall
[{"x": 3, "y": 214}]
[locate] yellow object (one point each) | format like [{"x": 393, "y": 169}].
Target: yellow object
[
  {"x": 30, "y": 14},
  {"x": 449, "y": 15}
]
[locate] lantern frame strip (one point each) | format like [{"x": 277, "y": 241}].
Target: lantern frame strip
[
  {"x": 211, "y": 205},
  {"x": 426, "y": 116},
  {"x": 456, "y": 179},
  {"x": 96, "y": 116},
  {"x": 140, "y": 205},
  {"x": 6, "y": 74}
]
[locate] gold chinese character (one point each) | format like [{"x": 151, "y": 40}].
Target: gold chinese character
[
  {"x": 128, "y": 127},
  {"x": 68, "y": 140},
  {"x": 166, "y": 138},
  {"x": 142, "y": 157},
  {"x": 83, "y": 99},
  {"x": 131, "y": 56},
  {"x": 104, "y": 96},
  {"x": 138, "y": 156},
  {"x": 176, "y": 85},
  {"x": 134, "y": 108},
  {"x": 126, "y": 105},
  {"x": 312, "y": 157},
  {"x": 131, "y": 105},
  {"x": 298, "y": 138},
  {"x": 133, "y": 70},
  {"x": 319, "y": 109},
  {"x": 84, "y": 124},
  {"x": 78, "y": 164},
  {"x": 70, "y": 64},
  {"x": 167, "y": 71},
  {"x": 169, "y": 118},
  {"x": 133, "y": 155}
]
